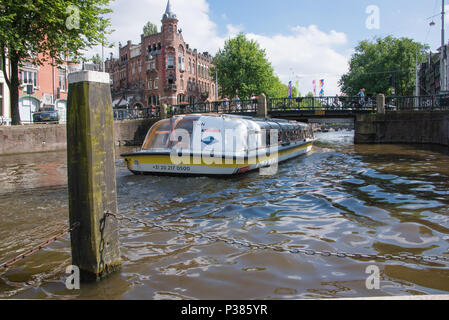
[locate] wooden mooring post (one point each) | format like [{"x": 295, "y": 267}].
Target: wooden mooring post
[{"x": 91, "y": 175}]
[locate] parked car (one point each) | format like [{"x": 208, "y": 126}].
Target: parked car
[
  {"x": 390, "y": 107},
  {"x": 46, "y": 117}
]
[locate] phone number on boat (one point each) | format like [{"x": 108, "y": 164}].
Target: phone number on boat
[{"x": 172, "y": 168}]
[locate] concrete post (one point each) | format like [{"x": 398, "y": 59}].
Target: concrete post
[
  {"x": 380, "y": 104},
  {"x": 164, "y": 111},
  {"x": 91, "y": 175},
  {"x": 262, "y": 108}
]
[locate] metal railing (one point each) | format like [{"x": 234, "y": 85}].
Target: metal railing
[
  {"x": 417, "y": 103},
  {"x": 242, "y": 107},
  {"x": 310, "y": 104},
  {"x": 135, "y": 114}
]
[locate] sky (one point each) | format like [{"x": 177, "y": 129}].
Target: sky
[{"x": 305, "y": 40}]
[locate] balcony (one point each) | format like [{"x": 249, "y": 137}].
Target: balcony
[{"x": 170, "y": 87}]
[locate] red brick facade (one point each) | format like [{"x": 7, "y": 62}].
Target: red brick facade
[
  {"x": 49, "y": 88},
  {"x": 162, "y": 69}
]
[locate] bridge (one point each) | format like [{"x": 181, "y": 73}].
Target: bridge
[
  {"x": 301, "y": 108},
  {"x": 287, "y": 108}
]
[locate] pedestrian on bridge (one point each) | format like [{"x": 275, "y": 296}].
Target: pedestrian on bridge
[{"x": 361, "y": 96}]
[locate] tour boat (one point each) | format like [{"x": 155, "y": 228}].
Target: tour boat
[{"x": 222, "y": 145}]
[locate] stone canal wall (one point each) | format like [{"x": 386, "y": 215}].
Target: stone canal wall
[
  {"x": 53, "y": 137},
  {"x": 403, "y": 127},
  {"x": 132, "y": 132}
]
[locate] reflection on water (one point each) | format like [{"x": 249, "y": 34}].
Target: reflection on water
[{"x": 373, "y": 199}]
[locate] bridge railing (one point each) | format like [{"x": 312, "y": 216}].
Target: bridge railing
[
  {"x": 417, "y": 103},
  {"x": 308, "y": 104},
  {"x": 136, "y": 114},
  {"x": 240, "y": 107}
]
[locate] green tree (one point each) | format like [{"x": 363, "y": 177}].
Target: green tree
[
  {"x": 278, "y": 89},
  {"x": 243, "y": 69},
  {"x": 96, "y": 59},
  {"x": 374, "y": 62},
  {"x": 52, "y": 28},
  {"x": 149, "y": 29}
]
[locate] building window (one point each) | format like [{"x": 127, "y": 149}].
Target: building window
[
  {"x": 62, "y": 79},
  {"x": 150, "y": 84},
  {"x": 154, "y": 100},
  {"x": 28, "y": 77},
  {"x": 155, "y": 86},
  {"x": 182, "y": 82},
  {"x": 170, "y": 62},
  {"x": 181, "y": 63}
]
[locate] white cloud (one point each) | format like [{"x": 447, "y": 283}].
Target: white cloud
[
  {"x": 198, "y": 29},
  {"x": 305, "y": 55},
  {"x": 306, "y": 51}
]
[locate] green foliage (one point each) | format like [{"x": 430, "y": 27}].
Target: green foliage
[
  {"x": 374, "y": 62},
  {"x": 244, "y": 69},
  {"x": 55, "y": 28},
  {"x": 278, "y": 89},
  {"x": 149, "y": 29},
  {"x": 28, "y": 27},
  {"x": 96, "y": 59}
]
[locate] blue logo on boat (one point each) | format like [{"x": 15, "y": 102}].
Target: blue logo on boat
[{"x": 209, "y": 140}]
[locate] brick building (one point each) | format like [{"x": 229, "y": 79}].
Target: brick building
[
  {"x": 433, "y": 75},
  {"x": 41, "y": 87},
  {"x": 162, "y": 69},
  {"x": 44, "y": 87}
]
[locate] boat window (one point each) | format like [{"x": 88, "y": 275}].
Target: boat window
[
  {"x": 159, "y": 136},
  {"x": 187, "y": 124}
]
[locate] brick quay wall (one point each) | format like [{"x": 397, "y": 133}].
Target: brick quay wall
[
  {"x": 403, "y": 127},
  {"x": 53, "y": 137}
]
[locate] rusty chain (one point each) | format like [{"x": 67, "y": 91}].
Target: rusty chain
[
  {"x": 405, "y": 256},
  {"x": 38, "y": 248}
]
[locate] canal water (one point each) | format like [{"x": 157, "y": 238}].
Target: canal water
[{"x": 369, "y": 199}]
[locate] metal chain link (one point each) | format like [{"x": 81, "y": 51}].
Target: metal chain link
[
  {"x": 38, "y": 248},
  {"x": 310, "y": 252}
]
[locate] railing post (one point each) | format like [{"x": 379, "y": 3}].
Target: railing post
[
  {"x": 380, "y": 102},
  {"x": 262, "y": 108},
  {"x": 91, "y": 175}
]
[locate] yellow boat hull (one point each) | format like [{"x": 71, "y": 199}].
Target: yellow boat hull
[{"x": 150, "y": 163}]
